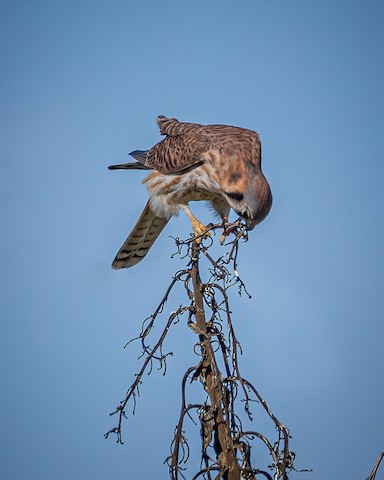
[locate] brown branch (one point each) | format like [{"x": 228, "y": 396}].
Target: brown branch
[
  {"x": 209, "y": 317},
  {"x": 211, "y": 379},
  {"x": 372, "y": 475}
]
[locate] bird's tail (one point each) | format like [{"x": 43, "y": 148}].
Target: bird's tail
[{"x": 140, "y": 240}]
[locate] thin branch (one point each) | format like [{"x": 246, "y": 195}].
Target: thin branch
[
  {"x": 218, "y": 349},
  {"x": 372, "y": 475}
]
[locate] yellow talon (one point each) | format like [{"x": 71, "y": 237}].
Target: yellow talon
[
  {"x": 198, "y": 227},
  {"x": 224, "y": 232}
]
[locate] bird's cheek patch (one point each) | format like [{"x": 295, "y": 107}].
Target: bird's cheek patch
[{"x": 234, "y": 178}]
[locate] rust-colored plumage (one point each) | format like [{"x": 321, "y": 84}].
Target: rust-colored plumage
[{"x": 218, "y": 163}]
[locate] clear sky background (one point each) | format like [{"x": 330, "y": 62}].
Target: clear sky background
[{"x": 81, "y": 85}]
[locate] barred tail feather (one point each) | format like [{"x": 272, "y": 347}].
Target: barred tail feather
[{"x": 140, "y": 240}]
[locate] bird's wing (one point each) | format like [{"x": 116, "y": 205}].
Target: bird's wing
[
  {"x": 178, "y": 154},
  {"x": 188, "y": 145},
  {"x": 140, "y": 240},
  {"x": 182, "y": 149}
]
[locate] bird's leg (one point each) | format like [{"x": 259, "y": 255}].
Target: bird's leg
[
  {"x": 224, "y": 232},
  {"x": 198, "y": 227}
]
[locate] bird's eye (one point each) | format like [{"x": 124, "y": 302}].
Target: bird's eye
[
  {"x": 238, "y": 196},
  {"x": 245, "y": 214}
]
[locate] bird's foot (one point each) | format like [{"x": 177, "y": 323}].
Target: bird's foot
[
  {"x": 199, "y": 230},
  {"x": 225, "y": 232},
  {"x": 234, "y": 227}
]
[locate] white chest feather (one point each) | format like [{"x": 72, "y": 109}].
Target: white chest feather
[{"x": 168, "y": 192}]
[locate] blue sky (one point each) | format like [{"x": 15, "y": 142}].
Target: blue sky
[{"x": 81, "y": 86}]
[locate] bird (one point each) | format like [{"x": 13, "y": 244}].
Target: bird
[{"x": 220, "y": 164}]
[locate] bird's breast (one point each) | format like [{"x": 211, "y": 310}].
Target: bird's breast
[{"x": 168, "y": 192}]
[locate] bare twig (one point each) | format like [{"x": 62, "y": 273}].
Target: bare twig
[
  {"x": 372, "y": 475},
  {"x": 225, "y": 444}
]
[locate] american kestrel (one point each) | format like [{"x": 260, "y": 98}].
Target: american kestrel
[{"x": 218, "y": 163}]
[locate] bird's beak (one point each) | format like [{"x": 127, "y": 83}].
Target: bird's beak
[{"x": 251, "y": 224}]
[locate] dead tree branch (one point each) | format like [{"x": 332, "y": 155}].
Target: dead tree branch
[
  {"x": 372, "y": 475},
  {"x": 225, "y": 444}
]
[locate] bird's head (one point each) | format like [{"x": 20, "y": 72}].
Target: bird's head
[{"x": 251, "y": 200}]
